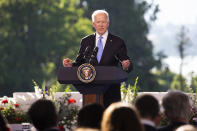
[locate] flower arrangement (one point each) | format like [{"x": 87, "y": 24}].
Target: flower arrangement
[
  {"x": 66, "y": 108},
  {"x": 12, "y": 111},
  {"x": 129, "y": 93},
  {"x": 65, "y": 105},
  {"x": 67, "y": 111}
]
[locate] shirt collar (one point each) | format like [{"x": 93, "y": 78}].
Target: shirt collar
[
  {"x": 148, "y": 122},
  {"x": 104, "y": 35}
]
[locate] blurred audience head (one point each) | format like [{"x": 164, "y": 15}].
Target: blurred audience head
[
  {"x": 90, "y": 116},
  {"x": 86, "y": 129},
  {"x": 148, "y": 107},
  {"x": 3, "y": 124},
  {"x": 176, "y": 106},
  {"x": 186, "y": 128},
  {"x": 121, "y": 117},
  {"x": 43, "y": 114}
]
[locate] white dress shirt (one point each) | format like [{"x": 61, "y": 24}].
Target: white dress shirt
[
  {"x": 148, "y": 122},
  {"x": 104, "y": 39}
]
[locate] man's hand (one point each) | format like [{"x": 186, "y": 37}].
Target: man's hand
[
  {"x": 67, "y": 62},
  {"x": 125, "y": 64}
]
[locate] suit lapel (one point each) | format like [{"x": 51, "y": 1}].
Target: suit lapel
[
  {"x": 93, "y": 41},
  {"x": 107, "y": 47}
]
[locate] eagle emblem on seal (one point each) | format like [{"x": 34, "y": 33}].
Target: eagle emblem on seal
[{"x": 86, "y": 73}]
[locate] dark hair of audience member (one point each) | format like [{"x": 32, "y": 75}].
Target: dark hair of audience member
[
  {"x": 43, "y": 114},
  {"x": 121, "y": 117},
  {"x": 3, "y": 124},
  {"x": 90, "y": 116},
  {"x": 147, "y": 105}
]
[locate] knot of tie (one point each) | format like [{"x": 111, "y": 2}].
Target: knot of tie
[{"x": 100, "y": 49}]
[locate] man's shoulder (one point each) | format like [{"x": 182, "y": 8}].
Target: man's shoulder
[
  {"x": 149, "y": 128},
  {"x": 109, "y": 35},
  {"x": 89, "y": 36},
  {"x": 165, "y": 128},
  {"x": 114, "y": 36}
]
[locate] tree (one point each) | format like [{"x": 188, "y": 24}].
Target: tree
[
  {"x": 35, "y": 36},
  {"x": 127, "y": 20},
  {"x": 193, "y": 84},
  {"x": 176, "y": 85},
  {"x": 164, "y": 77},
  {"x": 183, "y": 42}
]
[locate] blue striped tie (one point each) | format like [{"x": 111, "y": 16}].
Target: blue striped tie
[{"x": 100, "y": 49}]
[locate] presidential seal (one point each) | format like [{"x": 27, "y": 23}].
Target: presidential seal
[{"x": 86, "y": 73}]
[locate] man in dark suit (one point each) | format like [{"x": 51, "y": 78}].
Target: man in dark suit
[
  {"x": 111, "y": 51},
  {"x": 148, "y": 107}
]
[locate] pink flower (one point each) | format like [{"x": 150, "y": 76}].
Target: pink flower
[
  {"x": 71, "y": 101},
  {"x": 4, "y": 101}
]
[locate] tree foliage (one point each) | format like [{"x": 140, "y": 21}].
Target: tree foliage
[
  {"x": 165, "y": 78},
  {"x": 193, "y": 84},
  {"x": 183, "y": 43},
  {"x": 35, "y": 36}
]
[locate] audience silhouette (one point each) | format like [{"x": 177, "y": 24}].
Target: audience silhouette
[
  {"x": 90, "y": 116},
  {"x": 86, "y": 129},
  {"x": 121, "y": 117},
  {"x": 148, "y": 107},
  {"x": 43, "y": 115},
  {"x": 177, "y": 109},
  {"x": 187, "y": 128},
  {"x": 3, "y": 123}
]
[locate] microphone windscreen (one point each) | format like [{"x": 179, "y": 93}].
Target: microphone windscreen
[
  {"x": 96, "y": 49},
  {"x": 87, "y": 49}
]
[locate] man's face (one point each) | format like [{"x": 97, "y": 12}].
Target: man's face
[{"x": 101, "y": 23}]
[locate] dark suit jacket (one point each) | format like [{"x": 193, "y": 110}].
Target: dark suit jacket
[
  {"x": 114, "y": 50},
  {"x": 149, "y": 128},
  {"x": 171, "y": 126}
]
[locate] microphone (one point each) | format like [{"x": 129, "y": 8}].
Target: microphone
[
  {"x": 87, "y": 54},
  {"x": 116, "y": 57},
  {"x": 94, "y": 53},
  {"x": 93, "y": 59}
]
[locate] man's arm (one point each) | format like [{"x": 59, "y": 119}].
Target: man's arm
[
  {"x": 127, "y": 65},
  {"x": 123, "y": 57}
]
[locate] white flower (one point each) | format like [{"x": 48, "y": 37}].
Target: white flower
[{"x": 5, "y": 98}]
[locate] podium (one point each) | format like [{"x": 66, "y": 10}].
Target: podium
[{"x": 93, "y": 92}]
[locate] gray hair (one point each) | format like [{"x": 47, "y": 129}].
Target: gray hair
[
  {"x": 176, "y": 105},
  {"x": 96, "y": 12}
]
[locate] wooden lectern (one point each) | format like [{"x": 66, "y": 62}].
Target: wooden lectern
[{"x": 93, "y": 92}]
